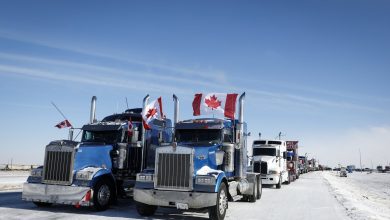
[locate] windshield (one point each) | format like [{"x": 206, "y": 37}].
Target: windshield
[
  {"x": 264, "y": 152},
  {"x": 210, "y": 136},
  {"x": 101, "y": 136}
]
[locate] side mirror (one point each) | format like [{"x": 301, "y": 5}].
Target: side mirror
[{"x": 285, "y": 155}]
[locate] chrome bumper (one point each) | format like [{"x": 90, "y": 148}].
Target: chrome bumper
[
  {"x": 270, "y": 179},
  {"x": 194, "y": 200},
  {"x": 71, "y": 195}
]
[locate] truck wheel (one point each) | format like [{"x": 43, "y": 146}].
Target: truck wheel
[
  {"x": 252, "y": 198},
  {"x": 218, "y": 212},
  {"x": 102, "y": 195},
  {"x": 42, "y": 204},
  {"x": 259, "y": 188},
  {"x": 145, "y": 210},
  {"x": 279, "y": 185}
]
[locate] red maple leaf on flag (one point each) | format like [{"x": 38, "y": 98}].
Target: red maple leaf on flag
[
  {"x": 151, "y": 112},
  {"x": 213, "y": 102}
]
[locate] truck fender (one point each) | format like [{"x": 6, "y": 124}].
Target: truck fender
[
  {"x": 220, "y": 178},
  {"x": 102, "y": 173}
]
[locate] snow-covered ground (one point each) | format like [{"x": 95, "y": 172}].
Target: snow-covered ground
[
  {"x": 363, "y": 195},
  {"x": 316, "y": 195},
  {"x": 12, "y": 180}
]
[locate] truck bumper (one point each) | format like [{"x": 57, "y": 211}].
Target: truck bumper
[
  {"x": 71, "y": 195},
  {"x": 270, "y": 179},
  {"x": 194, "y": 200}
]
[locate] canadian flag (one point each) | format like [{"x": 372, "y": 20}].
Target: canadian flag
[
  {"x": 215, "y": 103},
  {"x": 63, "y": 124},
  {"x": 152, "y": 111}
]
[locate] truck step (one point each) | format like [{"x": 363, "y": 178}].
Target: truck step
[{"x": 237, "y": 197}]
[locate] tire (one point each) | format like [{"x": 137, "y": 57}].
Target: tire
[
  {"x": 103, "y": 194},
  {"x": 259, "y": 188},
  {"x": 218, "y": 211},
  {"x": 145, "y": 210},
  {"x": 43, "y": 204},
  {"x": 279, "y": 185}
]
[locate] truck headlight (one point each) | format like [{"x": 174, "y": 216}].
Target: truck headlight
[
  {"x": 205, "y": 180},
  {"x": 142, "y": 177},
  {"x": 36, "y": 172},
  {"x": 273, "y": 172},
  {"x": 83, "y": 175}
]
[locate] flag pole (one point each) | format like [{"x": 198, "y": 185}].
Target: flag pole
[{"x": 55, "y": 106}]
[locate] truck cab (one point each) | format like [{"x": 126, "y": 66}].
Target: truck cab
[
  {"x": 269, "y": 159},
  {"x": 100, "y": 167},
  {"x": 203, "y": 169}
]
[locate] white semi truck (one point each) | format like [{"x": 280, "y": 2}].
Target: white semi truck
[{"x": 269, "y": 159}]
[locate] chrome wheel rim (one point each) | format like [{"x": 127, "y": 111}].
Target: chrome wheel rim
[
  {"x": 104, "y": 195},
  {"x": 222, "y": 202}
]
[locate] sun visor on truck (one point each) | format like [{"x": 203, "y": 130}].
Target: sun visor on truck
[{"x": 101, "y": 127}]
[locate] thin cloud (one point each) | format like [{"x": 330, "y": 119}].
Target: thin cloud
[
  {"x": 217, "y": 75},
  {"x": 91, "y": 79}
]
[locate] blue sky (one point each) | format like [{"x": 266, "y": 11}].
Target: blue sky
[{"x": 318, "y": 71}]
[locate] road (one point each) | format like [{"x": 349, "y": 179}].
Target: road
[{"x": 307, "y": 198}]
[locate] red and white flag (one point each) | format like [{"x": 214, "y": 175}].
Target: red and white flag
[
  {"x": 63, "y": 124},
  {"x": 152, "y": 111},
  {"x": 215, "y": 103}
]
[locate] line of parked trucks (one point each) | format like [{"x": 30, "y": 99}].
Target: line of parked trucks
[{"x": 197, "y": 163}]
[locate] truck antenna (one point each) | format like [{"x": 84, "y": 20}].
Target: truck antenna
[
  {"x": 55, "y": 106},
  {"x": 259, "y": 135}
]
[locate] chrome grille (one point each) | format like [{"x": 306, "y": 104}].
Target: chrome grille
[
  {"x": 174, "y": 171},
  {"x": 58, "y": 164}
]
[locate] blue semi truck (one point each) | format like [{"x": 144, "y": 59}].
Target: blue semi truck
[
  {"x": 204, "y": 168},
  {"x": 99, "y": 168}
]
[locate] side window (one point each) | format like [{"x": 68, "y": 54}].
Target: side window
[{"x": 227, "y": 135}]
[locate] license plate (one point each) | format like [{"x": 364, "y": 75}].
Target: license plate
[{"x": 181, "y": 205}]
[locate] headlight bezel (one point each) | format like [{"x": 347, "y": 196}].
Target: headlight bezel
[
  {"x": 83, "y": 175},
  {"x": 145, "y": 177},
  {"x": 36, "y": 172},
  {"x": 205, "y": 180},
  {"x": 273, "y": 172}
]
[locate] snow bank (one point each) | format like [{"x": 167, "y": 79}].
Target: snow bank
[
  {"x": 364, "y": 196},
  {"x": 12, "y": 180}
]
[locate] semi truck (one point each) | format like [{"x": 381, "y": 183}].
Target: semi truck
[
  {"x": 303, "y": 164},
  {"x": 204, "y": 168},
  {"x": 269, "y": 159},
  {"x": 292, "y": 160},
  {"x": 101, "y": 166}
]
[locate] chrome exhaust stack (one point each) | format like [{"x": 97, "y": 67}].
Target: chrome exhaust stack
[
  {"x": 241, "y": 110},
  {"x": 176, "y": 110},
  {"x": 93, "y": 110},
  {"x": 241, "y": 143}
]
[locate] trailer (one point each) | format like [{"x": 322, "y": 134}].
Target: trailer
[
  {"x": 292, "y": 160},
  {"x": 102, "y": 166},
  {"x": 204, "y": 168}
]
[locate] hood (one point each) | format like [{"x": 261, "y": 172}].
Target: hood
[
  {"x": 93, "y": 155},
  {"x": 267, "y": 159},
  {"x": 205, "y": 156}
]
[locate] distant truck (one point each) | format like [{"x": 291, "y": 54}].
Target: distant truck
[
  {"x": 303, "y": 164},
  {"x": 292, "y": 160},
  {"x": 269, "y": 159},
  {"x": 95, "y": 171},
  {"x": 204, "y": 168}
]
